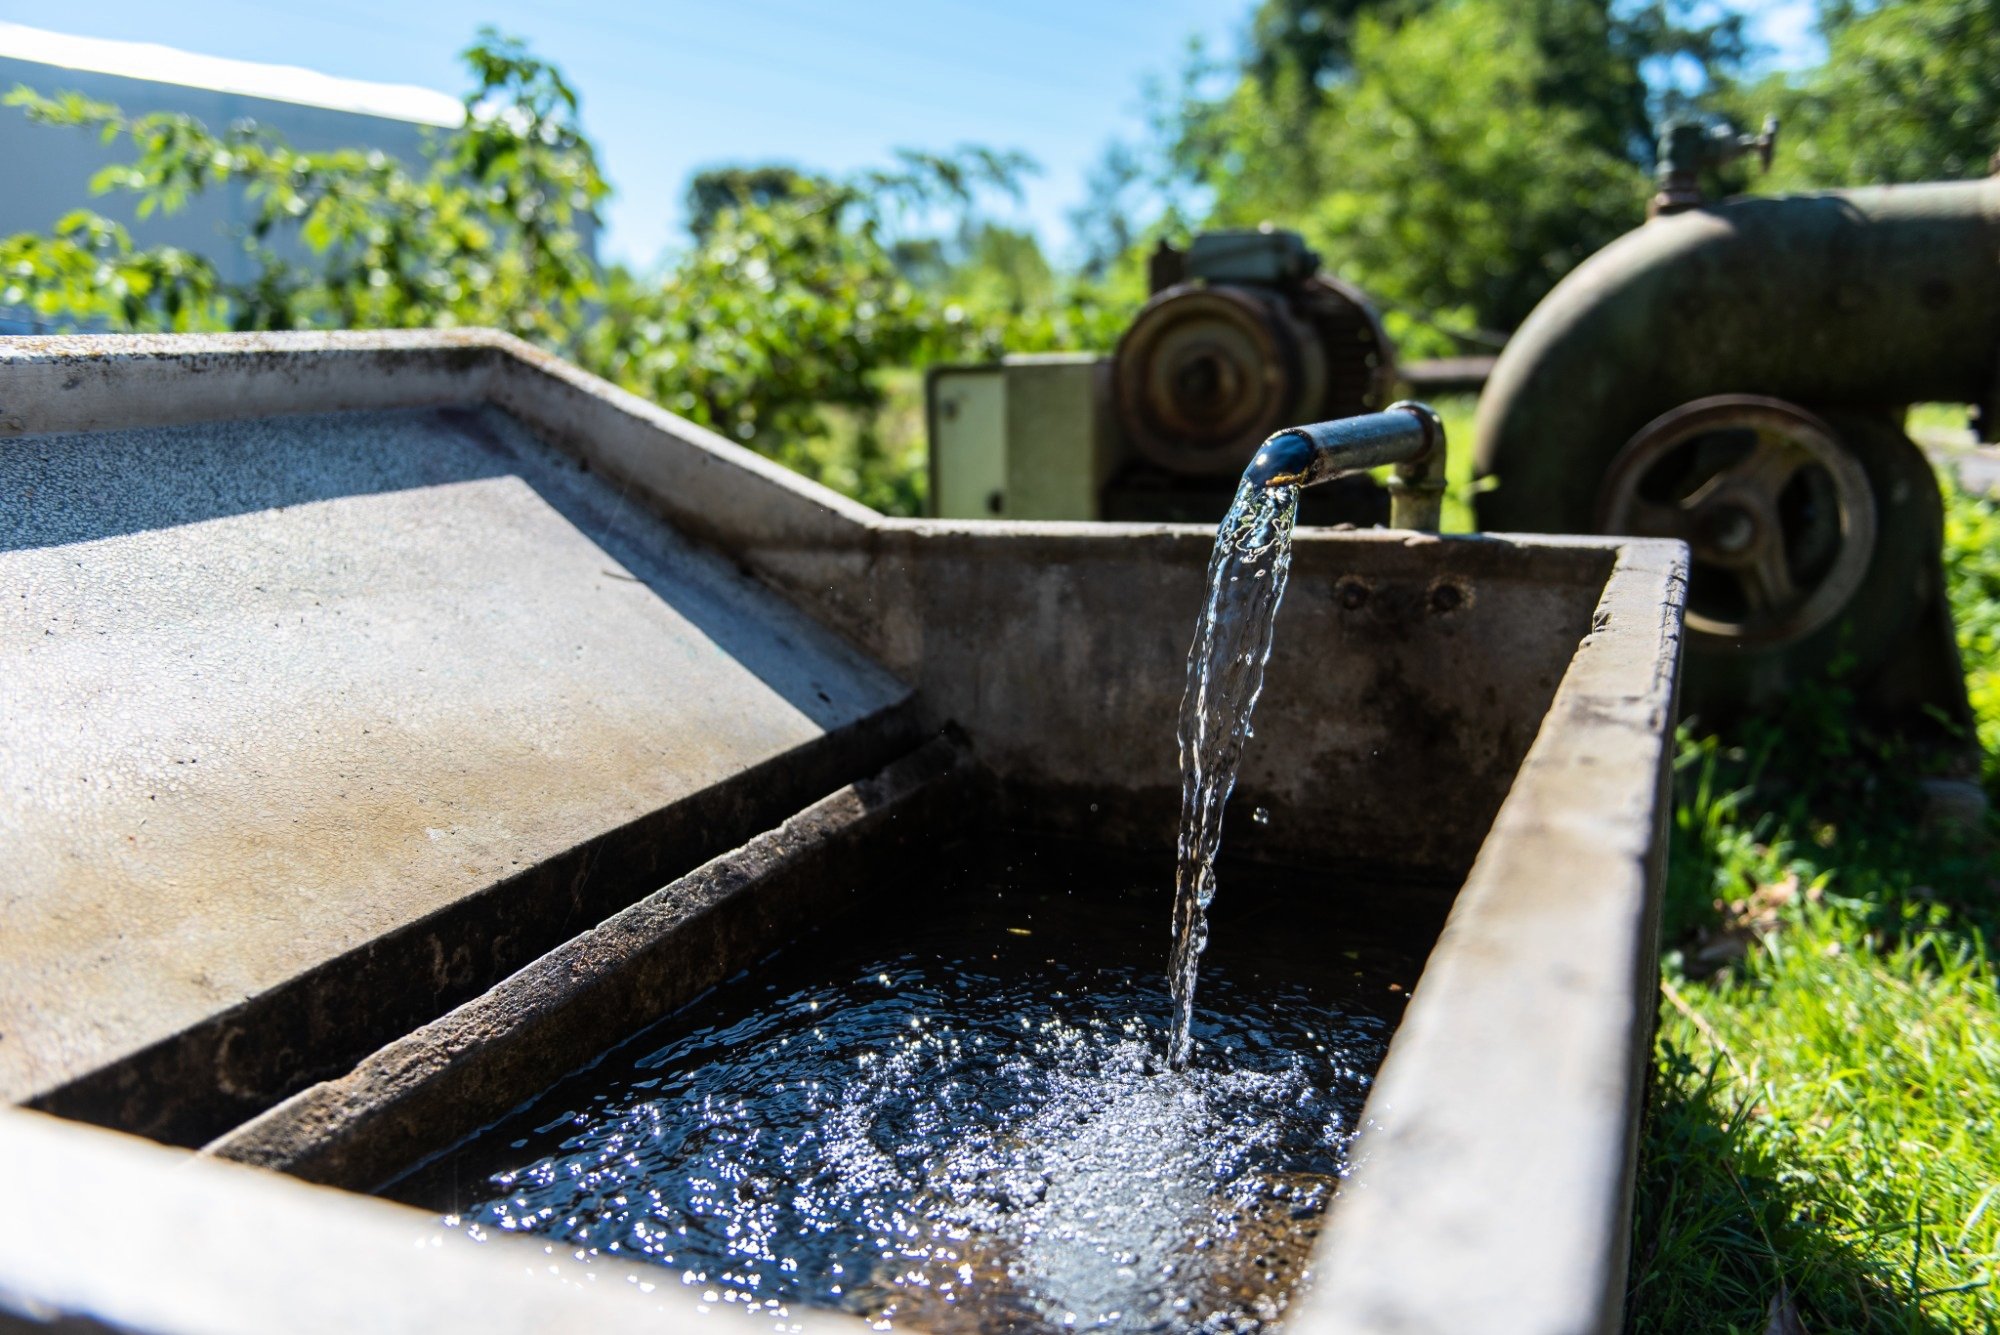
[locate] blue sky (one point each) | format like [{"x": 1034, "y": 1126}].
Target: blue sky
[{"x": 675, "y": 85}]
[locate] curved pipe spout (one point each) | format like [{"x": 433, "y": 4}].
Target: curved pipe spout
[{"x": 1408, "y": 435}]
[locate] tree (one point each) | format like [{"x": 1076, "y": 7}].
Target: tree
[
  {"x": 490, "y": 230},
  {"x": 1456, "y": 157},
  {"x": 1623, "y": 66},
  {"x": 1105, "y": 223},
  {"x": 786, "y": 308},
  {"x": 793, "y": 302},
  {"x": 1001, "y": 269},
  {"x": 1310, "y": 42},
  {"x": 710, "y": 192},
  {"x": 1908, "y": 92},
  {"x": 1466, "y": 191}
]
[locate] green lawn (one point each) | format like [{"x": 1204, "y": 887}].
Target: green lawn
[{"x": 1827, "y": 1083}]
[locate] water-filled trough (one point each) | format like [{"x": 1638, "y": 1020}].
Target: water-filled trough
[
  {"x": 964, "y": 1122},
  {"x": 390, "y": 725}
]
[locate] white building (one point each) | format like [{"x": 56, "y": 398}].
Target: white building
[{"x": 46, "y": 170}]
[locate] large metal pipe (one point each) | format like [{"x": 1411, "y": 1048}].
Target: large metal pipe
[{"x": 1850, "y": 299}]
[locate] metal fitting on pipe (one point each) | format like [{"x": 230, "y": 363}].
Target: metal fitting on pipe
[{"x": 1408, "y": 435}]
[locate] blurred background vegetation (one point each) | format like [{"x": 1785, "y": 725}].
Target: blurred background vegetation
[
  {"x": 1453, "y": 157},
  {"x": 1822, "y": 1150}
]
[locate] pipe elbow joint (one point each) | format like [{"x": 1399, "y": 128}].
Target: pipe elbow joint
[{"x": 1408, "y": 435}]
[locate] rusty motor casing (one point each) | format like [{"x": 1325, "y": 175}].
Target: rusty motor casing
[{"x": 1243, "y": 335}]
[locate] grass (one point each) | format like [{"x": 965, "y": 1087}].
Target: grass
[{"x": 1822, "y": 1137}]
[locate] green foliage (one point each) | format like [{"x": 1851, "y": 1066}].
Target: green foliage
[
  {"x": 777, "y": 313},
  {"x": 1106, "y": 223},
  {"x": 1907, "y": 93},
  {"x": 785, "y": 325},
  {"x": 1424, "y": 192},
  {"x": 1972, "y": 571},
  {"x": 489, "y": 231},
  {"x": 1306, "y": 43},
  {"x": 800, "y": 299},
  {"x": 779, "y": 327},
  {"x": 1004, "y": 269},
  {"x": 1454, "y": 157},
  {"x": 712, "y": 192},
  {"x": 86, "y": 270},
  {"x": 1827, "y": 1091}
]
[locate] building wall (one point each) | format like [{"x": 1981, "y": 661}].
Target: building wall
[{"x": 49, "y": 168}]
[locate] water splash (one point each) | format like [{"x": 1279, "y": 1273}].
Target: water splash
[
  {"x": 947, "y": 1114},
  {"x": 1232, "y": 642}
]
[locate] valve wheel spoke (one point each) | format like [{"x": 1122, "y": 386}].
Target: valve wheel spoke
[
  {"x": 1767, "y": 578},
  {"x": 1770, "y": 467}
]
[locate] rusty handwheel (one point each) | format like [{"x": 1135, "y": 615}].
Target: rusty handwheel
[
  {"x": 1814, "y": 540},
  {"x": 1778, "y": 512}
]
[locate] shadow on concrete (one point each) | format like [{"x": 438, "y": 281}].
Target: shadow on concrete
[
  {"x": 61, "y": 490},
  {"x": 85, "y": 486}
]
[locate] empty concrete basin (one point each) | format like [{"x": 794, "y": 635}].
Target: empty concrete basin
[{"x": 389, "y": 722}]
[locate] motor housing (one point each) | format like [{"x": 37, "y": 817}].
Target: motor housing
[
  {"x": 1246, "y": 336},
  {"x": 1243, "y": 334}
]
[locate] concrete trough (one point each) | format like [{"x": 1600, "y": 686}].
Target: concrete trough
[{"x": 387, "y": 722}]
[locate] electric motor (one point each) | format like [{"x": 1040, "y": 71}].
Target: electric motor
[{"x": 1243, "y": 334}]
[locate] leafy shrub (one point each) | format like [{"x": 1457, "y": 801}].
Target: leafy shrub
[{"x": 795, "y": 298}]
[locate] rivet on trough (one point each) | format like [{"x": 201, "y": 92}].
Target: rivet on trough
[
  {"x": 1448, "y": 594},
  {"x": 1352, "y": 592}
]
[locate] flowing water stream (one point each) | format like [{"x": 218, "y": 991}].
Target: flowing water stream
[{"x": 1225, "y": 673}]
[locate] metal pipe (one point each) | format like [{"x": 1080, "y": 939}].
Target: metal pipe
[
  {"x": 1860, "y": 299},
  {"x": 1408, "y": 435}
]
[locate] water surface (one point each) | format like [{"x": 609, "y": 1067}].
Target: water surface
[{"x": 950, "y": 1109}]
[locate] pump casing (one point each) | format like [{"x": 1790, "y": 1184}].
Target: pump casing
[
  {"x": 1243, "y": 335},
  {"x": 1737, "y": 376}
]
